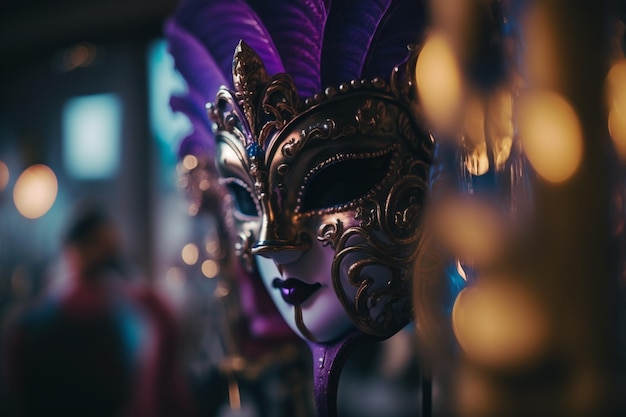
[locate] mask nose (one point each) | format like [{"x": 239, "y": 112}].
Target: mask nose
[{"x": 279, "y": 250}]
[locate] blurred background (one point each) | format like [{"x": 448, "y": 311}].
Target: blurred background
[
  {"x": 84, "y": 91},
  {"x": 84, "y": 115}
]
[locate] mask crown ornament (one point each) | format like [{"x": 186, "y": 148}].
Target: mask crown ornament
[{"x": 341, "y": 175}]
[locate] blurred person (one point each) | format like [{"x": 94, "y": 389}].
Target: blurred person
[{"x": 99, "y": 345}]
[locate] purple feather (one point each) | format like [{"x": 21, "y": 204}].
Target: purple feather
[
  {"x": 403, "y": 24},
  {"x": 220, "y": 25},
  {"x": 194, "y": 62},
  {"x": 191, "y": 104},
  {"x": 297, "y": 29},
  {"x": 195, "y": 144},
  {"x": 200, "y": 141},
  {"x": 350, "y": 28}
]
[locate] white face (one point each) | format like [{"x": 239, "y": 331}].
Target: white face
[
  {"x": 329, "y": 222},
  {"x": 299, "y": 281},
  {"x": 311, "y": 310}
]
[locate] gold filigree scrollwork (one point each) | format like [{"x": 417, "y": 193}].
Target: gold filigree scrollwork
[
  {"x": 379, "y": 305},
  {"x": 249, "y": 78},
  {"x": 227, "y": 116},
  {"x": 243, "y": 246},
  {"x": 329, "y": 233},
  {"x": 327, "y": 129},
  {"x": 402, "y": 209},
  {"x": 372, "y": 118},
  {"x": 281, "y": 102},
  {"x": 382, "y": 246}
]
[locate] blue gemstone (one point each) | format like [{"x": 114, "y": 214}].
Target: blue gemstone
[{"x": 254, "y": 150}]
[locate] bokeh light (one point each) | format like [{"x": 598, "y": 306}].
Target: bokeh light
[
  {"x": 471, "y": 229},
  {"x": 499, "y": 125},
  {"x": 210, "y": 268},
  {"x": 35, "y": 191},
  {"x": 190, "y": 162},
  {"x": 542, "y": 55},
  {"x": 475, "y": 143},
  {"x": 4, "y": 176},
  {"x": 439, "y": 83},
  {"x": 551, "y": 135},
  {"x": 617, "y": 130},
  {"x": 190, "y": 253},
  {"x": 616, "y": 95},
  {"x": 499, "y": 324},
  {"x": 175, "y": 276},
  {"x": 221, "y": 290},
  {"x": 212, "y": 247}
]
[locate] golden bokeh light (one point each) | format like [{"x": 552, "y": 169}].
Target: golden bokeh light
[
  {"x": 476, "y": 158},
  {"x": 4, "y": 176},
  {"x": 212, "y": 247},
  {"x": 190, "y": 254},
  {"x": 499, "y": 324},
  {"x": 204, "y": 185},
  {"x": 475, "y": 142},
  {"x": 499, "y": 125},
  {"x": 190, "y": 162},
  {"x": 617, "y": 130},
  {"x": 551, "y": 135},
  {"x": 616, "y": 86},
  {"x": 35, "y": 191},
  {"x": 175, "y": 276},
  {"x": 475, "y": 395},
  {"x": 221, "y": 290},
  {"x": 542, "y": 64},
  {"x": 472, "y": 230},
  {"x": 616, "y": 95},
  {"x": 439, "y": 83},
  {"x": 210, "y": 268}
]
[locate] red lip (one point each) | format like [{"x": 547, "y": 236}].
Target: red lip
[{"x": 294, "y": 291}]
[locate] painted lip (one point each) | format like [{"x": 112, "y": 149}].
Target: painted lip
[{"x": 294, "y": 291}]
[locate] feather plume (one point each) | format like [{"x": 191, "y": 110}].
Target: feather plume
[
  {"x": 403, "y": 24},
  {"x": 368, "y": 38},
  {"x": 297, "y": 29},
  {"x": 220, "y": 25},
  {"x": 194, "y": 62},
  {"x": 349, "y": 30}
]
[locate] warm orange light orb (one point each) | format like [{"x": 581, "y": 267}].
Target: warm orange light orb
[
  {"x": 470, "y": 229},
  {"x": 498, "y": 325},
  {"x": 35, "y": 191},
  {"x": 551, "y": 135},
  {"x": 210, "y": 268},
  {"x": 616, "y": 95},
  {"x": 4, "y": 175},
  {"x": 190, "y": 254},
  {"x": 190, "y": 162},
  {"x": 439, "y": 82}
]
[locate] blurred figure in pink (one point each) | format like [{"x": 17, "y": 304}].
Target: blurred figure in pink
[{"x": 98, "y": 346}]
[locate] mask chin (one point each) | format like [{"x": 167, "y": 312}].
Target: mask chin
[{"x": 321, "y": 317}]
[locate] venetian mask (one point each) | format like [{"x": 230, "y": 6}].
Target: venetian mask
[{"x": 328, "y": 194}]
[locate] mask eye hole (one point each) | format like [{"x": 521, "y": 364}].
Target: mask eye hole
[
  {"x": 345, "y": 181},
  {"x": 244, "y": 202}
]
